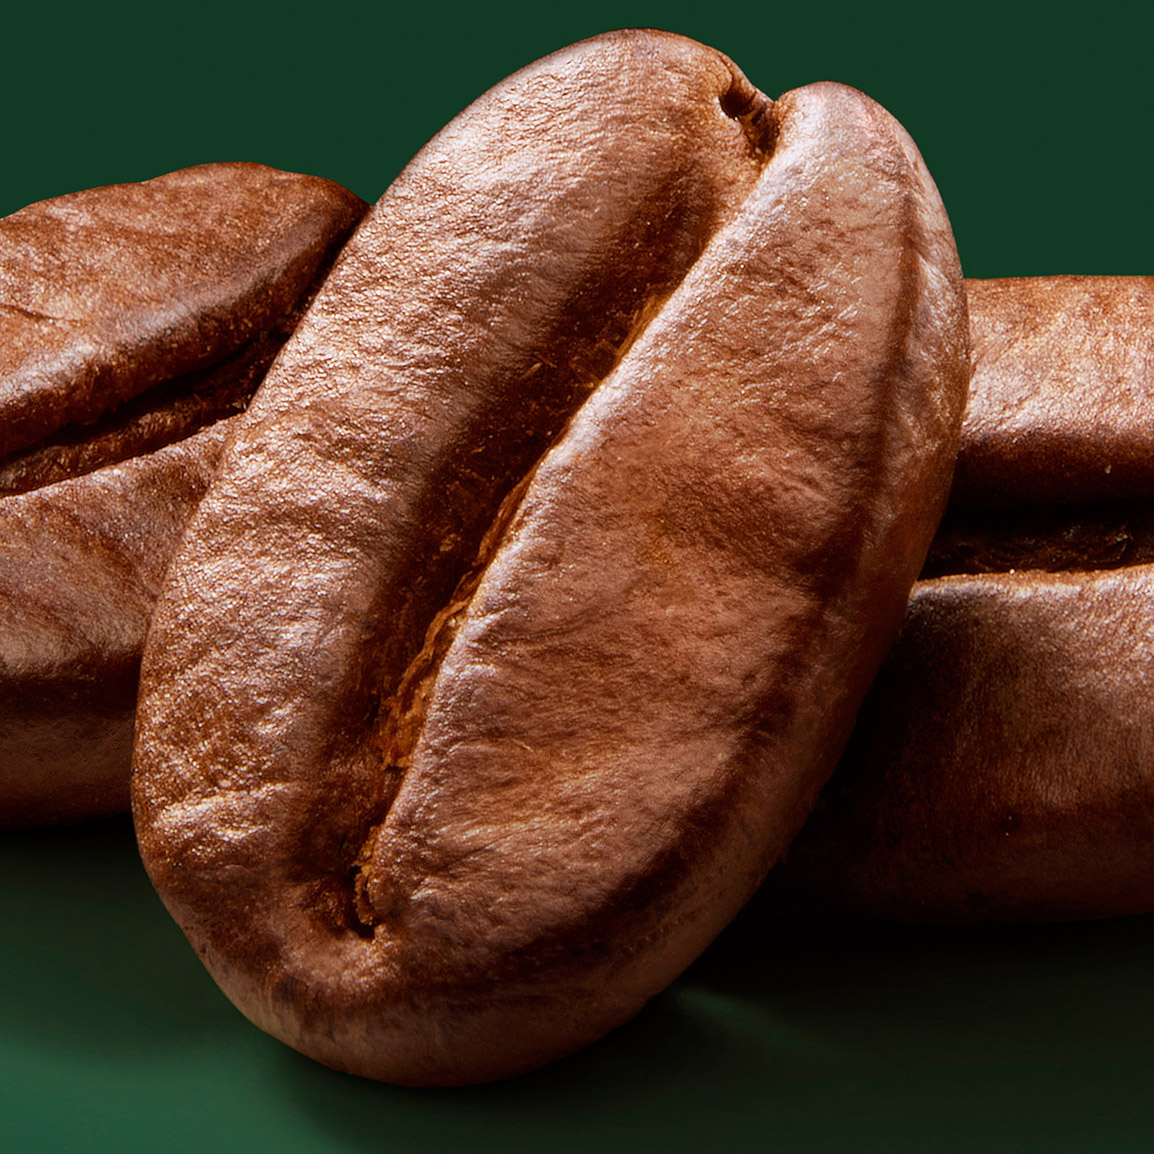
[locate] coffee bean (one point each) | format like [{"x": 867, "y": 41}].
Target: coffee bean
[
  {"x": 81, "y": 568},
  {"x": 130, "y": 317},
  {"x": 537, "y": 592},
  {"x": 1001, "y": 768}
]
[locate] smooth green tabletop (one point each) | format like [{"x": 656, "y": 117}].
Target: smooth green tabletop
[
  {"x": 112, "y": 1038},
  {"x": 782, "y": 1037}
]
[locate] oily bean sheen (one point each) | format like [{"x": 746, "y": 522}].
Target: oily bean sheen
[
  {"x": 1002, "y": 768},
  {"x": 537, "y": 592},
  {"x": 130, "y": 318}
]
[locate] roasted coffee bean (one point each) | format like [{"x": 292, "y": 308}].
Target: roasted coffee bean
[
  {"x": 130, "y": 317},
  {"x": 107, "y": 293},
  {"x": 165, "y": 414},
  {"x": 80, "y": 571},
  {"x": 1002, "y": 768},
  {"x": 535, "y": 597},
  {"x": 1063, "y": 371}
]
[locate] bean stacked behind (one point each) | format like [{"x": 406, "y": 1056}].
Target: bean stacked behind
[
  {"x": 130, "y": 317},
  {"x": 1002, "y": 768}
]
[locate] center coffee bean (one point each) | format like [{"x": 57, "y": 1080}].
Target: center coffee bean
[{"x": 536, "y": 594}]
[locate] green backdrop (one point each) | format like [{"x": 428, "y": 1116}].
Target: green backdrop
[{"x": 112, "y": 1038}]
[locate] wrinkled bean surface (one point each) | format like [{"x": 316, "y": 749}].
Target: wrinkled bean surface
[{"x": 535, "y": 596}]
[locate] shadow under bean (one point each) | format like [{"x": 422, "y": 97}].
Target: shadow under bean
[
  {"x": 783, "y": 1036},
  {"x": 803, "y": 1037}
]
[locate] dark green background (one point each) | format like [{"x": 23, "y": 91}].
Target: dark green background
[{"x": 1036, "y": 124}]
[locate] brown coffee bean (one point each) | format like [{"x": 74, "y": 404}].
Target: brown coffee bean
[
  {"x": 1063, "y": 367},
  {"x": 537, "y": 592},
  {"x": 1002, "y": 768},
  {"x": 130, "y": 316},
  {"x": 80, "y": 571},
  {"x": 106, "y": 293},
  {"x": 167, "y": 413}
]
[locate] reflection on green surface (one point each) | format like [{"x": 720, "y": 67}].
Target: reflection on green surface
[{"x": 782, "y": 1037}]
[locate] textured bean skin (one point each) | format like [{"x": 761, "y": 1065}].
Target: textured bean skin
[
  {"x": 107, "y": 292},
  {"x": 1002, "y": 768},
  {"x": 532, "y": 637},
  {"x": 130, "y": 316},
  {"x": 79, "y": 575},
  {"x": 1063, "y": 368}
]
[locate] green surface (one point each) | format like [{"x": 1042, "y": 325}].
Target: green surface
[
  {"x": 782, "y": 1037},
  {"x": 112, "y": 1038}
]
